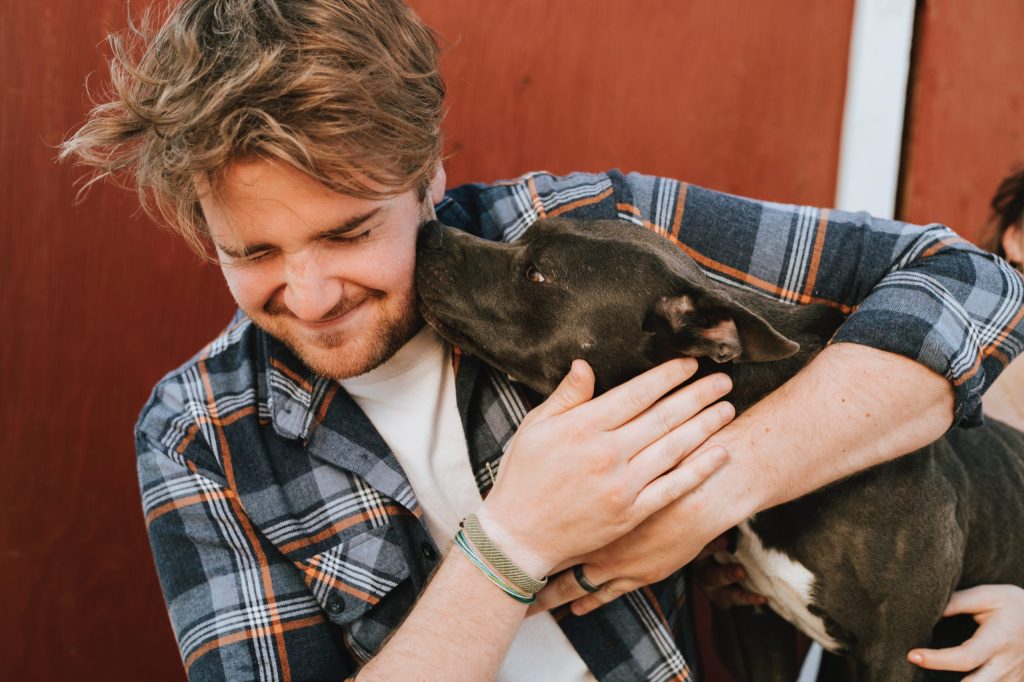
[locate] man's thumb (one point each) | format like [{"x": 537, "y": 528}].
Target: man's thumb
[{"x": 576, "y": 388}]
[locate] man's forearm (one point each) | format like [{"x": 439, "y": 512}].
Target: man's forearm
[
  {"x": 460, "y": 629},
  {"x": 850, "y": 408}
]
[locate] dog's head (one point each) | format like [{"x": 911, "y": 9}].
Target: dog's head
[{"x": 622, "y": 298}]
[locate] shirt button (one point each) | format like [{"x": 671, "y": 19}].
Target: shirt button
[
  {"x": 335, "y": 605},
  {"x": 428, "y": 551}
]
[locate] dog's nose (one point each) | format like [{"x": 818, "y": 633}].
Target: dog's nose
[{"x": 431, "y": 236}]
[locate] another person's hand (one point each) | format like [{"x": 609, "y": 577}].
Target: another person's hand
[
  {"x": 581, "y": 472},
  {"x": 996, "y": 651}
]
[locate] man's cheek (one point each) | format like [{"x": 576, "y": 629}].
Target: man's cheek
[
  {"x": 396, "y": 264},
  {"x": 250, "y": 291}
]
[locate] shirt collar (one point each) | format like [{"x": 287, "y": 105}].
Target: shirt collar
[
  {"x": 318, "y": 411},
  {"x": 294, "y": 392},
  {"x": 300, "y": 402}
]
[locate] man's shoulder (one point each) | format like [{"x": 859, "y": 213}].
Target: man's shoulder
[
  {"x": 226, "y": 373},
  {"x": 502, "y": 210}
]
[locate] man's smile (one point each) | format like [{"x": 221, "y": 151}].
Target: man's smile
[{"x": 334, "y": 321}]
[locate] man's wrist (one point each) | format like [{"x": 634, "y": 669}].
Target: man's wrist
[{"x": 528, "y": 559}]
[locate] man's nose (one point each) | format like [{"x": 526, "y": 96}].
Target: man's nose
[{"x": 310, "y": 290}]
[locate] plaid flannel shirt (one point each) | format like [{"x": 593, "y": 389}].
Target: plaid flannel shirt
[{"x": 288, "y": 542}]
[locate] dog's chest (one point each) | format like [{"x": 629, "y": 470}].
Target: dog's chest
[{"x": 786, "y": 584}]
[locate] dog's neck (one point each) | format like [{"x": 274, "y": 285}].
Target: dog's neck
[{"x": 809, "y": 325}]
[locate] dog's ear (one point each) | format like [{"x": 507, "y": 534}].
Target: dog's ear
[{"x": 717, "y": 328}]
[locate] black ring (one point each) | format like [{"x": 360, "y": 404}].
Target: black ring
[{"x": 588, "y": 586}]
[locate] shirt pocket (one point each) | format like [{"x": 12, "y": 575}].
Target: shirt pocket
[{"x": 354, "y": 576}]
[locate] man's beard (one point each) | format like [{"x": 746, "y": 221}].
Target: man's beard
[
  {"x": 334, "y": 356},
  {"x": 342, "y": 355}
]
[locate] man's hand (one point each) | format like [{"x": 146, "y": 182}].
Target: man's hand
[
  {"x": 639, "y": 559},
  {"x": 996, "y": 651},
  {"x": 850, "y": 408},
  {"x": 619, "y": 455}
]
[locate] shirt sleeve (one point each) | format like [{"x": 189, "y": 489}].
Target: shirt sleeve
[
  {"x": 919, "y": 291},
  {"x": 239, "y": 609}
]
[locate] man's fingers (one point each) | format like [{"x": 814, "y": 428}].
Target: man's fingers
[
  {"x": 657, "y": 458},
  {"x": 566, "y": 565},
  {"x": 626, "y": 401},
  {"x": 685, "y": 478},
  {"x": 562, "y": 589},
  {"x": 675, "y": 410},
  {"x": 609, "y": 592},
  {"x": 576, "y": 388}
]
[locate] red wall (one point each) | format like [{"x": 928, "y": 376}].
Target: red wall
[
  {"x": 97, "y": 303},
  {"x": 741, "y": 96},
  {"x": 966, "y": 123}
]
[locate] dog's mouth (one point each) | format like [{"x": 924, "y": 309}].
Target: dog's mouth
[
  {"x": 444, "y": 329},
  {"x": 434, "y": 277},
  {"x": 467, "y": 344}
]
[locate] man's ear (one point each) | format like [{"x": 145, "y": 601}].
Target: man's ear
[
  {"x": 437, "y": 183},
  {"x": 711, "y": 326},
  {"x": 1012, "y": 247}
]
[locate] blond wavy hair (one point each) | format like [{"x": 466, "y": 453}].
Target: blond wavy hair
[{"x": 346, "y": 91}]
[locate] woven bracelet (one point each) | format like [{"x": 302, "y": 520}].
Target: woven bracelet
[
  {"x": 505, "y": 567},
  {"x": 462, "y": 543}
]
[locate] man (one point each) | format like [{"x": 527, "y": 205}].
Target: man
[{"x": 304, "y": 474}]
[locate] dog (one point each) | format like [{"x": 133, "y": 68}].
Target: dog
[{"x": 864, "y": 566}]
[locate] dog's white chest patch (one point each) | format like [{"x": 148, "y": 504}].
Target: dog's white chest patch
[{"x": 785, "y": 583}]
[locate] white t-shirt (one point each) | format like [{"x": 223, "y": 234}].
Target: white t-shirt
[{"x": 410, "y": 399}]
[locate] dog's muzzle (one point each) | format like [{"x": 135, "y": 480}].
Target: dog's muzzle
[{"x": 431, "y": 236}]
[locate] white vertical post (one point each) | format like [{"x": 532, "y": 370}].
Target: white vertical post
[
  {"x": 809, "y": 670},
  {"x": 872, "y": 137},
  {"x": 876, "y": 91}
]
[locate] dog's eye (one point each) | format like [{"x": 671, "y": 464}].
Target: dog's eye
[{"x": 534, "y": 275}]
